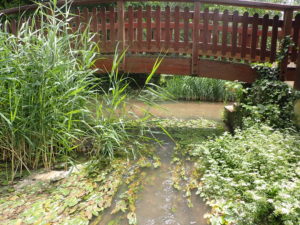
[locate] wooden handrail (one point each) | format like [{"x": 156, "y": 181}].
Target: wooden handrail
[{"x": 238, "y": 3}]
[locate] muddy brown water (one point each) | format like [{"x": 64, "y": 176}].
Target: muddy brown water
[
  {"x": 181, "y": 110},
  {"x": 159, "y": 203}
]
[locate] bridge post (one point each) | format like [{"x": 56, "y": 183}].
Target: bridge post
[
  {"x": 287, "y": 30},
  {"x": 297, "y": 78},
  {"x": 195, "y": 51},
  {"x": 121, "y": 29}
]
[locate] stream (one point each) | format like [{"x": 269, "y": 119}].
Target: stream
[{"x": 159, "y": 203}]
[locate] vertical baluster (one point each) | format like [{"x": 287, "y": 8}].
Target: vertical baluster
[
  {"x": 167, "y": 27},
  {"x": 296, "y": 35},
  {"x": 112, "y": 30},
  {"x": 234, "y": 33},
  {"x": 77, "y": 19},
  {"x": 85, "y": 18},
  {"x": 205, "y": 30},
  {"x": 245, "y": 20},
  {"x": 264, "y": 38},
  {"x": 274, "y": 38},
  {"x": 176, "y": 28},
  {"x": 215, "y": 31},
  {"x": 186, "y": 27},
  {"x": 95, "y": 24},
  {"x": 158, "y": 27},
  {"x": 13, "y": 25},
  {"x": 149, "y": 29},
  {"x": 195, "y": 51},
  {"x": 103, "y": 28},
  {"x": 224, "y": 32},
  {"x": 140, "y": 28},
  {"x": 287, "y": 29},
  {"x": 254, "y": 36},
  {"x": 130, "y": 26}
]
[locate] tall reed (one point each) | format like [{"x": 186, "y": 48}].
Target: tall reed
[
  {"x": 196, "y": 88},
  {"x": 49, "y": 103},
  {"x": 45, "y": 86}
]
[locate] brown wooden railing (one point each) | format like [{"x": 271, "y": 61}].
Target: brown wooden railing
[{"x": 189, "y": 32}]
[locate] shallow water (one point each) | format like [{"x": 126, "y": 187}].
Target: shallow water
[
  {"x": 161, "y": 204},
  {"x": 181, "y": 110}
]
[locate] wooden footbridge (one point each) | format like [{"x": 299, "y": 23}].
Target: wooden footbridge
[{"x": 196, "y": 41}]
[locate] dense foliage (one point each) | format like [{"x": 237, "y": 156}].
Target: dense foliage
[
  {"x": 252, "y": 178},
  {"x": 196, "y": 88},
  {"x": 268, "y": 100},
  {"x": 46, "y": 90}
]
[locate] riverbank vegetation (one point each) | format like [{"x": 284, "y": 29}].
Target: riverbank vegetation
[
  {"x": 54, "y": 110},
  {"x": 47, "y": 86},
  {"x": 196, "y": 88}
]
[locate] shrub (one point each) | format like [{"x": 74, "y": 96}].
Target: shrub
[{"x": 253, "y": 177}]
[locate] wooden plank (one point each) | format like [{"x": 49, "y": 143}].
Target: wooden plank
[
  {"x": 95, "y": 24},
  {"x": 234, "y": 33},
  {"x": 287, "y": 29},
  {"x": 186, "y": 19},
  {"x": 224, "y": 32},
  {"x": 167, "y": 27},
  {"x": 13, "y": 25},
  {"x": 226, "y": 70},
  {"x": 103, "y": 27},
  {"x": 139, "y": 27},
  {"x": 215, "y": 31},
  {"x": 158, "y": 27},
  {"x": 148, "y": 29},
  {"x": 130, "y": 26},
  {"x": 195, "y": 52},
  {"x": 85, "y": 18},
  {"x": 181, "y": 66},
  {"x": 254, "y": 36},
  {"x": 274, "y": 38},
  {"x": 244, "y": 34},
  {"x": 176, "y": 28},
  {"x": 205, "y": 30},
  {"x": 296, "y": 36},
  {"x": 121, "y": 24},
  {"x": 264, "y": 38},
  {"x": 297, "y": 79},
  {"x": 77, "y": 19},
  {"x": 112, "y": 31}
]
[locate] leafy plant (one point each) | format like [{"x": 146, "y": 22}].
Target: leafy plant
[
  {"x": 268, "y": 100},
  {"x": 251, "y": 178}
]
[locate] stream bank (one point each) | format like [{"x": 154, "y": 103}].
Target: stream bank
[{"x": 158, "y": 188}]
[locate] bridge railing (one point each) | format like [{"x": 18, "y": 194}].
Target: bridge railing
[{"x": 189, "y": 32}]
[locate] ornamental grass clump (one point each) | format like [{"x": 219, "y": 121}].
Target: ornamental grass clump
[{"x": 45, "y": 84}]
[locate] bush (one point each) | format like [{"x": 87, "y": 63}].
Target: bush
[{"x": 253, "y": 177}]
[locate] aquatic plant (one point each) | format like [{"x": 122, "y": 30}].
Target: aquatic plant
[{"x": 196, "y": 88}]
